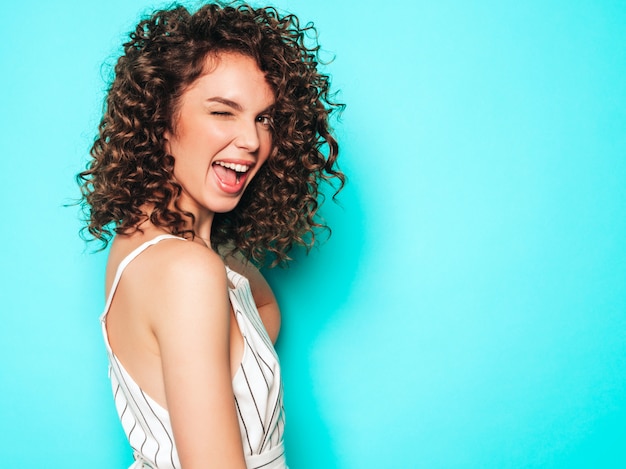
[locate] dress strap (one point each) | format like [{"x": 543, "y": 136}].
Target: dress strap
[{"x": 127, "y": 260}]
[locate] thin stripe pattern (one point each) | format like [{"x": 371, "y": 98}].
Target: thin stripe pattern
[{"x": 257, "y": 388}]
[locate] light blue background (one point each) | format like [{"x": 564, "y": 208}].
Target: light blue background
[{"x": 469, "y": 310}]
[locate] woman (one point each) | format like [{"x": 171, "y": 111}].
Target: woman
[{"x": 214, "y": 140}]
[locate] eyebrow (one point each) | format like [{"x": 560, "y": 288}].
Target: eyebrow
[
  {"x": 233, "y": 104},
  {"x": 226, "y": 102}
]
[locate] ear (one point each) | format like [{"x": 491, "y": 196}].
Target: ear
[{"x": 166, "y": 140}]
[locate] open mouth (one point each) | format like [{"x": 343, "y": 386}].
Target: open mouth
[{"x": 231, "y": 174}]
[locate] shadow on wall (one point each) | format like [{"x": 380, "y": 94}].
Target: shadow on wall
[{"x": 311, "y": 292}]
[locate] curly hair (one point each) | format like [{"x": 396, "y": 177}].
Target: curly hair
[{"x": 130, "y": 168}]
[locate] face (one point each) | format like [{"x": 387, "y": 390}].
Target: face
[{"x": 221, "y": 134}]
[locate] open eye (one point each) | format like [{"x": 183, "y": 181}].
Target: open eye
[{"x": 265, "y": 120}]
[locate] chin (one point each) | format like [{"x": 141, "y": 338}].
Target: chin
[{"x": 225, "y": 207}]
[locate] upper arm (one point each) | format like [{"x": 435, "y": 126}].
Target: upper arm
[{"x": 191, "y": 322}]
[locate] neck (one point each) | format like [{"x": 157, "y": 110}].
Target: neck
[
  {"x": 203, "y": 218},
  {"x": 202, "y": 226}
]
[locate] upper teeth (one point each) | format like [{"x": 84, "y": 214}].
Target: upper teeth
[{"x": 240, "y": 168}]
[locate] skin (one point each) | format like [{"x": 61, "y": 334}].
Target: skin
[{"x": 170, "y": 323}]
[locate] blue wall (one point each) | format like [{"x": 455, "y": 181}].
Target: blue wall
[{"x": 470, "y": 308}]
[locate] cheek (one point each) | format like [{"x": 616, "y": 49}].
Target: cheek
[{"x": 268, "y": 144}]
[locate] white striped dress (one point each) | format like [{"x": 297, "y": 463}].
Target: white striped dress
[{"x": 257, "y": 387}]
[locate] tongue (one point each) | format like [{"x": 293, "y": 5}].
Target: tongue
[{"x": 227, "y": 176}]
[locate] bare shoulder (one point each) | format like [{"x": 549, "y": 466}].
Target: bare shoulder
[
  {"x": 160, "y": 258},
  {"x": 178, "y": 272},
  {"x": 171, "y": 278},
  {"x": 180, "y": 260}
]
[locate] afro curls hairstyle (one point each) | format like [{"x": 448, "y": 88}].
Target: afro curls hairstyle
[{"x": 130, "y": 168}]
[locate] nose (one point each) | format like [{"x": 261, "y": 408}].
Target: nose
[{"x": 248, "y": 137}]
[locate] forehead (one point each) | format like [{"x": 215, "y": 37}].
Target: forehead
[{"x": 235, "y": 77}]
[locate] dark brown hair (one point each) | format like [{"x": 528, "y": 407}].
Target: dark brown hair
[{"x": 130, "y": 168}]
